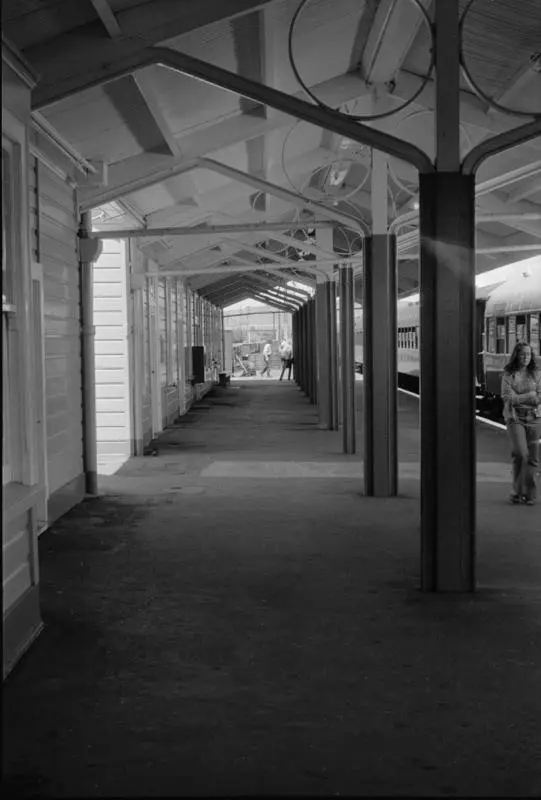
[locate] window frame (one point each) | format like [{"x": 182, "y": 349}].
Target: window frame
[
  {"x": 18, "y": 317},
  {"x": 11, "y": 439},
  {"x": 502, "y": 338}
]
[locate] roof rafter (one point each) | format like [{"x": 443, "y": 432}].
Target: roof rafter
[
  {"x": 391, "y": 36},
  {"x": 104, "y": 12},
  {"x": 139, "y": 172},
  {"x": 74, "y": 61},
  {"x": 144, "y": 82}
]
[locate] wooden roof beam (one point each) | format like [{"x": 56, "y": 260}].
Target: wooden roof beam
[
  {"x": 104, "y": 12},
  {"x": 391, "y": 36},
  {"x": 144, "y": 82}
]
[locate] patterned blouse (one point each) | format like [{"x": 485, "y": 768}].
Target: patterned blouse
[{"x": 521, "y": 391}]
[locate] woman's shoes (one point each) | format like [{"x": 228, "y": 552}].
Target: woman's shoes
[
  {"x": 514, "y": 498},
  {"x": 529, "y": 501}
]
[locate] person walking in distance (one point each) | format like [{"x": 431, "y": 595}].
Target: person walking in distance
[
  {"x": 267, "y": 351},
  {"x": 286, "y": 355},
  {"x": 521, "y": 395}
]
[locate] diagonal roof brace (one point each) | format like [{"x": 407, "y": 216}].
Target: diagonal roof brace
[
  {"x": 282, "y": 297},
  {"x": 230, "y": 81},
  {"x": 263, "y": 297}
]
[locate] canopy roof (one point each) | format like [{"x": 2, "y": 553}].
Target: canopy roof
[{"x": 180, "y": 152}]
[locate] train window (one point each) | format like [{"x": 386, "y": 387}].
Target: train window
[
  {"x": 511, "y": 333},
  {"x": 500, "y": 335},
  {"x": 535, "y": 333},
  {"x": 522, "y": 335},
  {"x": 491, "y": 335}
]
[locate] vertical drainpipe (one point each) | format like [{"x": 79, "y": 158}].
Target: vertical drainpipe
[{"x": 89, "y": 250}]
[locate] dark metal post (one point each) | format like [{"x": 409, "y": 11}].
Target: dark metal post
[
  {"x": 313, "y": 350},
  {"x": 333, "y": 355},
  {"x": 379, "y": 371},
  {"x": 294, "y": 340},
  {"x": 310, "y": 350},
  {"x": 323, "y": 337},
  {"x": 447, "y": 382},
  {"x": 304, "y": 348},
  {"x": 447, "y": 232},
  {"x": 347, "y": 353}
]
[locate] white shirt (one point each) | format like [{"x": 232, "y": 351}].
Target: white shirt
[
  {"x": 285, "y": 350},
  {"x": 267, "y": 350}
]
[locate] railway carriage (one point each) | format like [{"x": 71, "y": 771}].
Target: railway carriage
[
  {"x": 512, "y": 314},
  {"x": 506, "y": 312}
]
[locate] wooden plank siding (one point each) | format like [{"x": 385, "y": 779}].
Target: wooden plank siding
[
  {"x": 16, "y": 560},
  {"x": 113, "y": 398},
  {"x": 54, "y": 244}
]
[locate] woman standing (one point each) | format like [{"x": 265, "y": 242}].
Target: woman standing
[{"x": 521, "y": 395}]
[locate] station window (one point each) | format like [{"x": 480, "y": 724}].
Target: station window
[{"x": 500, "y": 335}]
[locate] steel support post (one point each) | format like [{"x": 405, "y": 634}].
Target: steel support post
[
  {"x": 313, "y": 350},
  {"x": 447, "y": 382},
  {"x": 379, "y": 366},
  {"x": 310, "y": 349},
  {"x": 298, "y": 351},
  {"x": 347, "y": 355},
  {"x": 309, "y": 354},
  {"x": 303, "y": 338},
  {"x": 323, "y": 337},
  {"x": 333, "y": 355},
  {"x": 447, "y": 234},
  {"x": 294, "y": 346}
]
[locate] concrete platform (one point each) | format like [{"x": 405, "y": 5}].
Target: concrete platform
[{"x": 233, "y": 617}]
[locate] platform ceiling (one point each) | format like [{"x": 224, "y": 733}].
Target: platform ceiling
[{"x": 184, "y": 153}]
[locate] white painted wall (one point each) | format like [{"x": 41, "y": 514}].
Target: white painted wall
[
  {"x": 112, "y": 362},
  {"x": 57, "y": 252}
]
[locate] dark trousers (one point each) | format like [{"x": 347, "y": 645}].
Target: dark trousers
[{"x": 287, "y": 363}]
